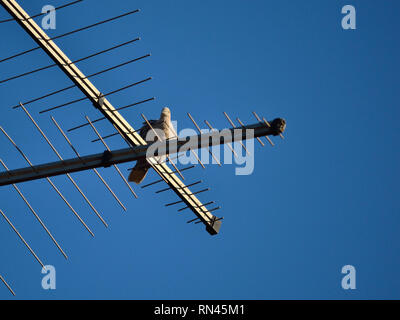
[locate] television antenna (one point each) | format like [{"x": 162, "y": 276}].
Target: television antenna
[{"x": 137, "y": 146}]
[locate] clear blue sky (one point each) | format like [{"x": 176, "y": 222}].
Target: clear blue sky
[{"x": 325, "y": 197}]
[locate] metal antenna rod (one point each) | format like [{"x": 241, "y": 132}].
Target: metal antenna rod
[
  {"x": 215, "y": 209},
  {"x": 189, "y": 185},
  {"x": 118, "y": 133},
  {"x": 35, "y": 214},
  {"x": 228, "y": 144},
  {"x": 95, "y": 24},
  {"x": 165, "y": 161},
  {"x": 208, "y": 148},
  {"x": 74, "y": 85},
  {"x": 7, "y": 285},
  {"x": 94, "y": 170},
  {"x": 49, "y": 181},
  {"x": 43, "y": 13},
  {"x": 69, "y": 33},
  {"x": 161, "y": 180},
  {"x": 115, "y": 166},
  {"x": 73, "y": 62},
  {"x": 68, "y": 175},
  {"x": 173, "y": 203},
  {"x": 222, "y": 218},
  {"x": 22, "y": 239},
  {"x": 123, "y": 137},
  {"x": 268, "y": 125},
  {"x": 171, "y": 159},
  {"x": 191, "y": 150},
  {"x": 108, "y": 136},
  {"x": 233, "y": 125},
  {"x": 258, "y": 139},
  {"x": 193, "y": 220},
  {"x": 159, "y": 138},
  {"x": 111, "y": 135},
  {"x": 206, "y": 204},
  {"x": 194, "y": 193},
  {"x": 104, "y": 95},
  {"x": 201, "y": 191},
  {"x": 152, "y": 183},
  {"x": 118, "y": 109}
]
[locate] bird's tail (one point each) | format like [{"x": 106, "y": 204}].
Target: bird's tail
[{"x": 137, "y": 175}]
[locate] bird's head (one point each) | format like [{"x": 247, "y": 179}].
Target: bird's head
[{"x": 165, "y": 113}]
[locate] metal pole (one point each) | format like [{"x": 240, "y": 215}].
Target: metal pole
[
  {"x": 68, "y": 175},
  {"x": 49, "y": 181},
  {"x": 94, "y": 170},
  {"x": 114, "y": 165},
  {"x": 35, "y": 214},
  {"x": 22, "y": 239},
  {"x": 7, "y": 285}
]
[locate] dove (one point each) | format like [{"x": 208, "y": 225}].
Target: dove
[{"x": 139, "y": 172}]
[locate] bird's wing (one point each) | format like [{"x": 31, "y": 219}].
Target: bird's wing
[{"x": 145, "y": 128}]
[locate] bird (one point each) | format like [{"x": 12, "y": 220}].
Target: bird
[{"x": 139, "y": 172}]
